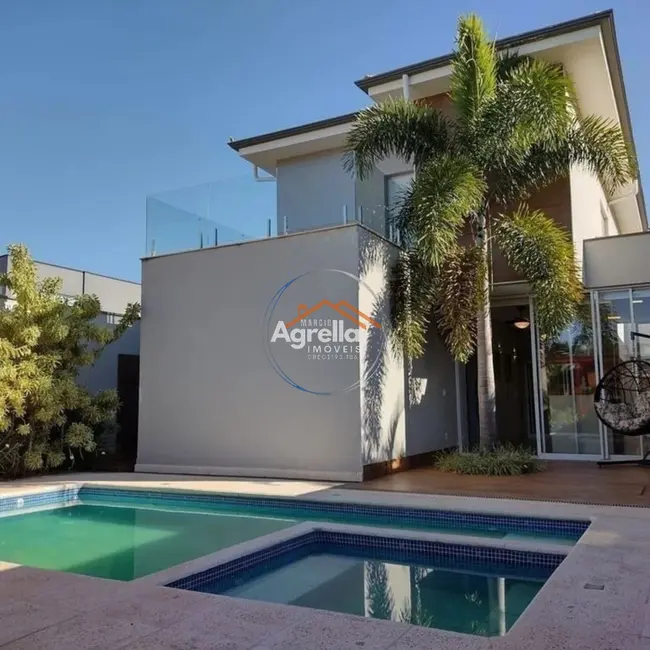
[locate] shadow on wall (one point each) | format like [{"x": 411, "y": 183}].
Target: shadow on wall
[
  {"x": 408, "y": 407},
  {"x": 383, "y": 434}
]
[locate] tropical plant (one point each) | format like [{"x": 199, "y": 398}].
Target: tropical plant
[
  {"x": 516, "y": 129},
  {"x": 45, "y": 416},
  {"x": 501, "y": 460}
]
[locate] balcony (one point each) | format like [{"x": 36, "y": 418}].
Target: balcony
[{"x": 245, "y": 209}]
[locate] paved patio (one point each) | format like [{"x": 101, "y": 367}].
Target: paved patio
[
  {"x": 567, "y": 481},
  {"x": 48, "y": 610}
]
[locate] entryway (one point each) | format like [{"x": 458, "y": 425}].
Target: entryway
[{"x": 513, "y": 374}]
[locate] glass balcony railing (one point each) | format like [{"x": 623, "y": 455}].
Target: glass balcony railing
[{"x": 240, "y": 210}]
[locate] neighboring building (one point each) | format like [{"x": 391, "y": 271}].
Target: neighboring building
[
  {"x": 114, "y": 295},
  {"x": 212, "y": 403}
]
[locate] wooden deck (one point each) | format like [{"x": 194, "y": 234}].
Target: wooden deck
[{"x": 578, "y": 482}]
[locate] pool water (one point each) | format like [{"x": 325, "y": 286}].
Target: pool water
[
  {"x": 473, "y": 600},
  {"x": 126, "y": 537},
  {"x": 122, "y": 543}
]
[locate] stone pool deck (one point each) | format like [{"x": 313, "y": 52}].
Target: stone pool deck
[{"x": 43, "y": 610}]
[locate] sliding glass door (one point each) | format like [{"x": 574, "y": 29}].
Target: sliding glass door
[
  {"x": 615, "y": 310},
  {"x": 567, "y": 381}
]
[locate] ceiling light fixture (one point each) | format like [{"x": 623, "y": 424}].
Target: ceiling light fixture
[{"x": 521, "y": 322}]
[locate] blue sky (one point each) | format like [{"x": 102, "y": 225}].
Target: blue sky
[{"x": 105, "y": 101}]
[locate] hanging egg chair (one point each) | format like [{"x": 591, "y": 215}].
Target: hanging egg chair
[{"x": 622, "y": 401}]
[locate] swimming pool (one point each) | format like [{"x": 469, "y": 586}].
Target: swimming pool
[
  {"x": 468, "y": 589},
  {"x": 127, "y": 534}
]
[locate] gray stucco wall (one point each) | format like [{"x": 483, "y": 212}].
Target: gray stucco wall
[
  {"x": 114, "y": 294},
  {"x": 431, "y": 418},
  {"x": 312, "y": 190},
  {"x": 620, "y": 261},
  {"x": 103, "y": 374},
  {"x": 210, "y": 401}
]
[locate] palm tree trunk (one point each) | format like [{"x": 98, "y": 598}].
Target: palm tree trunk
[{"x": 485, "y": 359}]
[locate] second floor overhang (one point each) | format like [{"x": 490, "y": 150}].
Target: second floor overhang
[{"x": 587, "y": 49}]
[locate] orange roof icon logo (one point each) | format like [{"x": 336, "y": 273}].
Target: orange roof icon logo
[{"x": 342, "y": 307}]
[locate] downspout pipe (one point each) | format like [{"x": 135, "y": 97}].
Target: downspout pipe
[
  {"x": 406, "y": 87},
  {"x": 261, "y": 179}
]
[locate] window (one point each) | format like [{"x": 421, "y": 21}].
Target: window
[{"x": 395, "y": 185}]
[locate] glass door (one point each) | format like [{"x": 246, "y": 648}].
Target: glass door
[
  {"x": 567, "y": 381},
  {"x": 616, "y": 323},
  {"x": 641, "y": 318},
  {"x": 569, "y": 366}
]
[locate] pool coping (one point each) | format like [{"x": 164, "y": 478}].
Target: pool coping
[
  {"x": 614, "y": 553},
  {"x": 461, "y": 504},
  {"x": 243, "y": 549}
]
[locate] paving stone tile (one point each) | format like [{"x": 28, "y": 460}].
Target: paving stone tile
[
  {"x": 19, "y": 618},
  {"x": 322, "y": 631},
  {"x": 93, "y": 631},
  {"x": 419, "y": 638}
]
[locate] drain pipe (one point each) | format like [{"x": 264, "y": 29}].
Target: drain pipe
[
  {"x": 406, "y": 87},
  {"x": 262, "y": 179}
]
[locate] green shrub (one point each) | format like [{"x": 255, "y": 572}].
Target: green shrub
[
  {"x": 505, "y": 460},
  {"x": 46, "y": 417}
]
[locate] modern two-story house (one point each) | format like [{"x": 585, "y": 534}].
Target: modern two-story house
[{"x": 225, "y": 390}]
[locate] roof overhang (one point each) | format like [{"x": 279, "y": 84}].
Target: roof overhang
[
  {"x": 266, "y": 150},
  {"x": 586, "y": 47}
]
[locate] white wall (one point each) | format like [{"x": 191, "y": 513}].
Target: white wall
[
  {"x": 407, "y": 409},
  {"x": 431, "y": 418},
  {"x": 383, "y": 399},
  {"x": 588, "y": 204},
  {"x": 312, "y": 191},
  {"x": 210, "y": 401},
  {"x": 622, "y": 261}
]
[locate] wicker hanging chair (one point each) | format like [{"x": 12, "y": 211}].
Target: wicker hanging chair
[{"x": 622, "y": 402}]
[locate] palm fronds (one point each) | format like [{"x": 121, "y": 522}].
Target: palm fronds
[
  {"x": 459, "y": 298},
  {"x": 542, "y": 252},
  {"x": 474, "y": 71},
  {"x": 412, "y": 132},
  {"x": 432, "y": 211},
  {"x": 413, "y": 284}
]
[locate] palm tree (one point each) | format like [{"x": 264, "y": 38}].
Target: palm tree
[{"x": 516, "y": 129}]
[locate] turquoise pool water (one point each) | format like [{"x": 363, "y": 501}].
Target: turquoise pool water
[
  {"x": 124, "y": 538},
  {"x": 420, "y": 594},
  {"x": 122, "y": 543}
]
